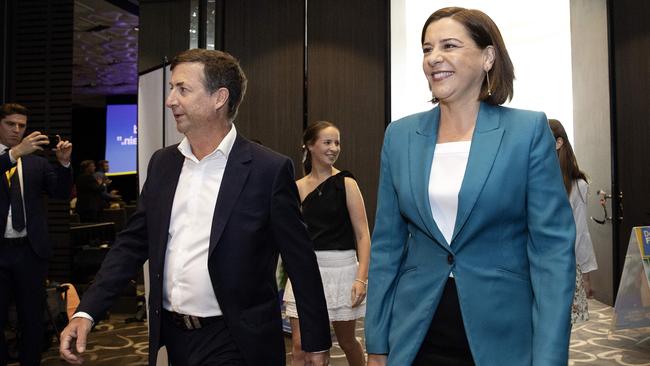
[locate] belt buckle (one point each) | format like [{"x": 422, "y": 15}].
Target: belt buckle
[{"x": 191, "y": 322}]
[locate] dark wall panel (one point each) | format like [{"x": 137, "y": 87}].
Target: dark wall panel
[
  {"x": 164, "y": 31},
  {"x": 40, "y": 69},
  {"x": 347, "y": 57},
  {"x": 267, "y": 38},
  {"x": 631, "y": 64}
]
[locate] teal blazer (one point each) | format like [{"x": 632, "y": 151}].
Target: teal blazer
[{"x": 512, "y": 251}]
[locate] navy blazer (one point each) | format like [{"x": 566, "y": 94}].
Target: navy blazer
[
  {"x": 39, "y": 176},
  {"x": 512, "y": 250},
  {"x": 256, "y": 217}
]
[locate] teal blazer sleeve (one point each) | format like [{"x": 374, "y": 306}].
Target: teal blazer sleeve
[
  {"x": 389, "y": 235},
  {"x": 552, "y": 260}
]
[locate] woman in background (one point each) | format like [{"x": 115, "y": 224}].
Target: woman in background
[
  {"x": 575, "y": 182},
  {"x": 333, "y": 209},
  {"x": 472, "y": 261},
  {"x": 89, "y": 193}
]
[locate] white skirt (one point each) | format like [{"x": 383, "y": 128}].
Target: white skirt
[{"x": 338, "y": 269}]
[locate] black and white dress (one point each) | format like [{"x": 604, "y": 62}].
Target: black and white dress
[{"x": 328, "y": 222}]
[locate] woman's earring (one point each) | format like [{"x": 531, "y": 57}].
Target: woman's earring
[{"x": 487, "y": 74}]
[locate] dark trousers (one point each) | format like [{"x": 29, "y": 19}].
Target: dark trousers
[
  {"x": 211, "y": 345},
  {"x": 22, "y": 273},
  {"x": 446, "y": 342}
]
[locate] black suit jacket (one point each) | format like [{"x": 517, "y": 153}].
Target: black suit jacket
[
  {"x": 256, "y": 217},
  {"x": 39, "y": 176}
]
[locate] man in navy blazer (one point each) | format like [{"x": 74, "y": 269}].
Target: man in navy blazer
[
  {"x": 212, "y": 217},
  {"x": 24, "y": 244}
]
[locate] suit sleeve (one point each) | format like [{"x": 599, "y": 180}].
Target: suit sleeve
[
  {"x": 298, "y": 256},
  {"x": 388, "y": 240},
  {"x": 123, "y": 261},
  {"x": 551, "y": 251}
]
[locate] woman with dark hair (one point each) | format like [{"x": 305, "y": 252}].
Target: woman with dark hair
[
  {"x": 333, "y": 209},
  {"x": 472, "y": 260},
  {"x": 576, "y": 185}
]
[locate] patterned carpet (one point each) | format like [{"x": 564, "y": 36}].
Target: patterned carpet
[{"x": 119, "y": 343}]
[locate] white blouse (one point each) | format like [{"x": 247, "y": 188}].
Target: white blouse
[
  {"x": 445, "y": 179},
  {"x": 585, "y": 256}
]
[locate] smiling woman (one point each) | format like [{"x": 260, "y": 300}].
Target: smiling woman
[
  {"x": 525, "y": 28},
  {"x": 451, "y": 264}
]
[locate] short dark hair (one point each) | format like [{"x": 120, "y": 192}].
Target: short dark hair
[
  {"x": 8, "y": 109},
  {"x": 485, "y": 33},
  {"x": 220, "y": 70},
  {"x": 85, "y": 164}
]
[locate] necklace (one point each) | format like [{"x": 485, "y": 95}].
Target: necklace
[{"x": 320, "y": 187}]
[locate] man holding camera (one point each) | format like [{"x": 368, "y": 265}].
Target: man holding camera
[{"x": 24, "y": 244}]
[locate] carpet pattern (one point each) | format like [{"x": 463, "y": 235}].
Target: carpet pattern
[{"x": 118, "y": 343}]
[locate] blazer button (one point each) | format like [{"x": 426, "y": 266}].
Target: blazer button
[{"x": 450, "y": 259}]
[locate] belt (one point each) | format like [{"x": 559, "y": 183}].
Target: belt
[
  {"x": 191, "y": 322},
  {"x": 14, "y": 241}
]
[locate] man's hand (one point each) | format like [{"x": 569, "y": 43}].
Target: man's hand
[
  {"x": 377, "y": 360},
  {"x": 63, "y": 151},
  {"x": 74, "y": 335},
  {"x": 35, "y": 141},
  {"x": 317, "y": 358}
]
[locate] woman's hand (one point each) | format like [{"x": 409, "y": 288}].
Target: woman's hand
[
  {"x": 377, "y": 360},
  {"x": 358, "y": 292}
]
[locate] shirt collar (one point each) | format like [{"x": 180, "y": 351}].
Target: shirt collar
[{"x": 224, "y": 147}]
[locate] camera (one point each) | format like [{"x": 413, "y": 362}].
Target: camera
[{"x": 54, "y": 140}]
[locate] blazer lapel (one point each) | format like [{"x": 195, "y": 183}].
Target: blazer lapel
[
  {"x": 421, "y": 148},
  {"x": 485, "y": 145},
  {"x": 234, "y": 178},
  {"x": 169, "y": 182}
]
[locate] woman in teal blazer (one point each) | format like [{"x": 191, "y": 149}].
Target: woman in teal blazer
[{"x": 472, "y": 263}]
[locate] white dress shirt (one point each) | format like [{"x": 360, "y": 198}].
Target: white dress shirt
[
  {"x": 9, "y": 229},
  {"x": 446, "y": 177},
  {"x": 585, "y": 256},
  {"x": 187, "y": 288}
]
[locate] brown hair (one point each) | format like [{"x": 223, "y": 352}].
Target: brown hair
[
  {"x": 309, "y": 137},
  {"x": 220, "y": 70},
  {"x": 485, "y": 33},
  {"x": 568, "y": 162},
  {"x": 8, "y": 109}
]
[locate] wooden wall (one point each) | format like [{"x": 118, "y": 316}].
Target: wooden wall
[
  {"x": 337, "y": 72},
  {"x": 164, "y": 31},
  {"x": 39, "y": 75},
  {"x": 630, "y": 71},
  {"x": 347, "y": 43}
]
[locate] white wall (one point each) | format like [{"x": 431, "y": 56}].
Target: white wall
[
  {"x": 592, "y": 127},
  {"x": 537, "y": 35}
]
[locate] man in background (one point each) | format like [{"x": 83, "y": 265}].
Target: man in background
[{"x": 24, "y": 244}]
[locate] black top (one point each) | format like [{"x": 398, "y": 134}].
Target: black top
[{"x": 325, "y": 212}]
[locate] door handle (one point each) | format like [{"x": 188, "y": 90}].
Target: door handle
[{"x": 603, "y": 202}]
